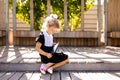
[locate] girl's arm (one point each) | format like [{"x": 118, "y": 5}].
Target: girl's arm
[{"x": 38, "y": 45}]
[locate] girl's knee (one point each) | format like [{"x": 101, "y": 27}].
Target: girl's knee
[{"x": 67, "y": 60}]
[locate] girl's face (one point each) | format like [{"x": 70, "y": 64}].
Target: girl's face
[{"x": 53, "y": 30}]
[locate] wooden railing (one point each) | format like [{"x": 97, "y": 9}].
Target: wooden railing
[
  {"x": 114, "y": 38},
  {"x": 2, "y": 37},
  {"x": 68, "y": 38}
]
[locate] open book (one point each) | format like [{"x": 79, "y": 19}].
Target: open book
[{"x": 55, "y": 47}]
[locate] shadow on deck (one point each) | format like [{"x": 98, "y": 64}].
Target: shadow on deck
[{"x": 81, "y": 58}]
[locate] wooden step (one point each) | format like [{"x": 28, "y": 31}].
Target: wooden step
[
  {"x": 61, "y": 75},
  {"x": 81, "y": 59},
  {"x": 68, "y": 67}
]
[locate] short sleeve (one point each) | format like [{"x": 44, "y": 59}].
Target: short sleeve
[{"x": 40, "y": 39}]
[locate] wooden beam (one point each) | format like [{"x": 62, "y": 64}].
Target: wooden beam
[
  {"x": 82, "y": 15},
  {"x": 31, "y": 15},
  {"x": 48, "y": 7},
  {"x": 105, "y": 21},
  {"x": 2, "y": 15},
  {"x": 99, "y": 21},
  {"x": 14, "y": 19},
  {"x": 14, "y": 14},
  {"x": 65, "y": 16},
  {"x": 7, "y": 20}
]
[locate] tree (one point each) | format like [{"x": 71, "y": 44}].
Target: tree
[{"x": 40, "y": 9}]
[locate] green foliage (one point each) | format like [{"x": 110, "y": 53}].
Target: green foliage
[
  {"x": 22, "y": 11},
  {"x": 57, "y": 6},
  {"x": 74, "y": 16},
  {"x": 10, "y": 4},
  {"x": 74, "y": 12},
  {"x": 40, "y": 10}
]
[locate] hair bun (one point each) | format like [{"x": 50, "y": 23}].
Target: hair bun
[{"x": 53, "y": 16}]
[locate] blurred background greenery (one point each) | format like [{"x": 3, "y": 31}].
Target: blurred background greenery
[{"x": 57, "y": 7}]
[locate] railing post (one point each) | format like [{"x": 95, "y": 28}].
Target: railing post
[
  {"x": 105, "y": 21},
  {"x": 6, "y": 20},
  {"x": 99, "y": 21},
  {"x": 14, "y": 19},
  {"x": 48, "y": 7},
  {"x": 14, "y": 14},
  {"x": 65, "y": 16},
  {"x": 82, "y": 15},
  {"x": 31, "y": 15}
]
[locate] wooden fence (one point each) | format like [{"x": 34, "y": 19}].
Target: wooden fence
[
  {"x": 27, "y": 38},
  {"x": 66, "y": 38},
  {"x": 80, "y": 38},
  {"x": 2, "y": 37},
  {"x": 113, "y": 22}
]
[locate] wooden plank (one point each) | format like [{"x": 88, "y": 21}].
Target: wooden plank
[
  {"x": 7, "y": 76},
  {"x": 12, "y": 56},
  {"x": 31, "y": 15},
  {"x": 6, "y": 23},
  {"x": 75, "y": 76},
  {"x": 113, "y": 76},
  {"x": 1, "y": 74},
  {"x": 45, "y": 77},
  {"x": 104, "y": 76},
  {"x": 48, "y": 7},
  {"x": 82, "y": 15},
  {"x": 26, "y": 76},
  {"x": 16, "y": 76},
  {"x": 65, "y": 16},
  {"x": 65, "y": 38},
  {"x": 89, "y": 21},
  {"x": 113, "y": 15},
  {"x": 105, "y": 19},
  {"x": 27, "y": 58},
  {"x": 84, "y": 76},
  {"x": 115, "y": 34},
  {"x": 95, "y": 76},
  {"x": 35, "y": 76},
  {"x": 90, "y": 16},
  {"x": 99, "y": 20},
  {"x": 55, "y": 76},
  {"x": 79, "y": 34},
  {"x": 14, "y": 14},
  {"x": 2, "y": 51},
  {"x": 33, "y": 56},
  {"x": 59, "y": 76},
  {"x": 65, "y": 76},
  {"x": 24, "y": 60},
  {"x": 0, "y": 33}
]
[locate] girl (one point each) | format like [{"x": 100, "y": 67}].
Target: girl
[{"x": 44, "y": 45}]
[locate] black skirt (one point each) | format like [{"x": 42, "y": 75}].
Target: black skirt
[{"x": 56, "y": 58}]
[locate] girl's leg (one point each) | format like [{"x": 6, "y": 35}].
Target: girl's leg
[
  {"x": 60, "y": 63},
  {"x": 45, "y": 67},
  {"x": 48, "y": 65}
]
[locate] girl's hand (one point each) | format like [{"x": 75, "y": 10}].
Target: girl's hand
[
  {"x": 49, "y": 55},
  {"x": 54, "y": 43}
]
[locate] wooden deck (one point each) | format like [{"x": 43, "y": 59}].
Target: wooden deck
[
  {"x": 11, "y": 54},
  {"x": 83, "y": 58},
  {"x": 60, "y": 76}
]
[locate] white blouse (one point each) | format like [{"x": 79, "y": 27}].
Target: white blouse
[{"x": 48, "y": 39}]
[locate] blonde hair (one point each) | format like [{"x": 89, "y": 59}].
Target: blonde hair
[{"x": 51, "y": 21}]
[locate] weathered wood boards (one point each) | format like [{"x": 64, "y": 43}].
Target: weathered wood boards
[
  {"x": 2, "y": 37},
  {"x": 113, "y": 22},
  {"x": 60, "y": 76},
  {"x": 67, "y": 38}
]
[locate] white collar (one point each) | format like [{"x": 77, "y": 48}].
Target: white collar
[{"x": 48, "y": 39}]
